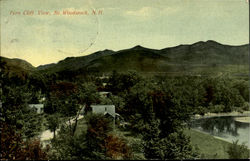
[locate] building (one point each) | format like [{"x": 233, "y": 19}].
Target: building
[
  {"x": 38, "y": 107},
  {"x": 104, "y": 109},
  {"x": 105, "y": 94}
]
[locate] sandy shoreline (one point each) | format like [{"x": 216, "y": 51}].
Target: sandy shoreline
[
  {"x": 234, "y": 113},
  {"x": 243, "y": 119}
]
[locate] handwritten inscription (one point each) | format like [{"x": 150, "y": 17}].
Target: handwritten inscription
[{"x": 56, "y": 13}]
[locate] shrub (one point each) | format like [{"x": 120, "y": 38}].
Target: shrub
[{"x": 236, "y": 151}]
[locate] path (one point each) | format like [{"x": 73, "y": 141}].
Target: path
[{"x": 47, "y": 134}]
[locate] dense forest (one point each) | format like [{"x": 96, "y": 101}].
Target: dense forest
[{"x": 156, "y": 108}]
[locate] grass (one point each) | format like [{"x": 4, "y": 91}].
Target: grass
[
  {"x": 81, "y": 127},
  {"x": 133, "y": 141},
  {"x": 209, "y": 147}
]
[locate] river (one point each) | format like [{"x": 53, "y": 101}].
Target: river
[{"x": 224, "y": 127}]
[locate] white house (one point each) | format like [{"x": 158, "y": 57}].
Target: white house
[
  {"x": 104, "y": 109},
  {"x": 38, "y": 107},
  {"x": 104, "y": 94}
]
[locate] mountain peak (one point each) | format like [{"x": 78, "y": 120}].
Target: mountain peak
[
  {"x": 212, "y": 42},
  {"x": 138, "y": 47},
  {"x": 107, "y": 50},
  {"x": 206, "y": 43}
]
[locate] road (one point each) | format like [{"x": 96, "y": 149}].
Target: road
[{"x": 47, "y": 134}]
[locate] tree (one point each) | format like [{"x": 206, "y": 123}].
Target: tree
[
  {"x": 96, "y": 143},
  {"x": 236, "y": 151},
  {"x": 53, "y": 123},
  {"x": 16, "y": 112},
  {"x": 121, "y": 82},
  {"x": 151, "y": 138},
  {"x": 69, "y": 147},
  {"x": 87, "y": 95},
  {"x": 19, "y": 123},
  {"x": 177, "y": 146},
  {"x": 13, "y": 147},
  {"x": 116, "y": 148},
  {"x": 10, "y": 142},
  {"x": 98, "y": 127},
  {"x": 65, "y": 99}
]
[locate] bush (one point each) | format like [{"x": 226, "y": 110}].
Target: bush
[
  {"x": 236, "y": 151},
  {"x": 245, "y": 107},
  {"x": 216, "y": 108}
]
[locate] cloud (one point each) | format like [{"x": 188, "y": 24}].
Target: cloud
[
  {"x": 149, "y": 12},
  {"x": 142, "y": 12}
]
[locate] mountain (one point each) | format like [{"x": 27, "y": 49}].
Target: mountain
[
  {"x": 209, "y": 56},
  {"x": 209, "y": 52},
  {"x": 15, "y": 67},
  {"x": 74, "y": 63},
  {"x": 137, "y": 58},
  {"x": 200, "y": 57}
]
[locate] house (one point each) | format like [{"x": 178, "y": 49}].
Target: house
[
  {"x": 39, "y": 108},
  {"x": 104, "y": 94},
  {"x": 104, "y": 109}
]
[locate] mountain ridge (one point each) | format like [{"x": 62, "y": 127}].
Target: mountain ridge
[{"x": 179, "y": 58}]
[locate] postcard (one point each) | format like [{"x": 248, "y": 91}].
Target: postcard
[{"x": 115, "y": 79}]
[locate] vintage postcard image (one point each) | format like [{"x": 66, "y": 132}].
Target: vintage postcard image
[{"x": 115, "y": 79}]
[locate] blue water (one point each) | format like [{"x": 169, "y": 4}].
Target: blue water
[{"x": 224, "y": 127}]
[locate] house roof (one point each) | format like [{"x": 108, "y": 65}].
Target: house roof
[
  {"x": 36, "y": 105},
  {"x": 110, "y": 109},
  {"x": 102, "y": 106},
  {"x": 104, "y": 92}
]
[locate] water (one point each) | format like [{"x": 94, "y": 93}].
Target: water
[{"x": 224, "y": 127}]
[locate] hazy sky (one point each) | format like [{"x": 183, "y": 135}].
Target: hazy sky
[{"x": 120, "y": 24}]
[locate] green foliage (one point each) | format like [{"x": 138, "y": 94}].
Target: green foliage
[
  {"x": 13, "y": 147},
  {"x": 16, "y": 113},
  {"x": 31, "y": 122},
  {"x": 157, "y": 110},
  {"x": 122, "y": 82},
  {"x": 243, "y": 87},
  {"x": 221, "y": 91},
  {"x": 152, "y": 146},
  {"x": 87, "y": 94},
  {"x": 98, "y": 128},
  {"x": 236, "y": 151},
  {"x": 68, "y": 147},
  {"x": 216, "y": 108},
  {"x": 96, "y": 143},
  {"x": 53, "y": 123},
  {"x": 246, "y": 106},
  {"x": 177, "y": 146}
]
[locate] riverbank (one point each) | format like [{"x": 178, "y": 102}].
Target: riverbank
[
  {"x": 234, "y": 113},
  {"x": 243, "y": 119},
  {"x": 209, "y": 146}
]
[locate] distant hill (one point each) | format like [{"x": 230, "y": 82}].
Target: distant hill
[
  {"x": 74, "y": 63},
  {"x": 209, "y": 52},
  {"x": 15, "y": 67},
  {"x": 209, "y": 56},
  {"x": 200, "y": 57}
]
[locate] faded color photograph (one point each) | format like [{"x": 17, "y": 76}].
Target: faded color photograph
[{"x": 124, "y": 80}]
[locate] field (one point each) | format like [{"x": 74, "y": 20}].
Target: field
[{"x": 209, "y": 147}]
